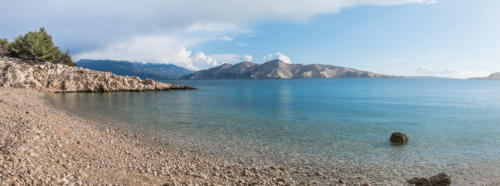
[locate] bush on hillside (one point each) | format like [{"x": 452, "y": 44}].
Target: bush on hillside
[
  {"x": 38, "y": 46},
  {"x": 65, "y": 59},
  {"x": 3, "y": 47}
]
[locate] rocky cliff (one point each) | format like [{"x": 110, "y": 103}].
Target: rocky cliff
[
  {"x": 60, "y": 78},
  {"x": 277, "y": 69}
]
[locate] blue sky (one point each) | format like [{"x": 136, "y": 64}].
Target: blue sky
[{"x": 458, "y": 38}]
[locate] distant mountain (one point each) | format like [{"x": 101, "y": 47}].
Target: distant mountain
[
  {"x": 494, "y": 76},
  {"x": 277, "y": 69},
  {"x": 142, "y": 70}
]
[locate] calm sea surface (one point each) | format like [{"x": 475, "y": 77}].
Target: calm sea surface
[{"x": 453, "y": 125}]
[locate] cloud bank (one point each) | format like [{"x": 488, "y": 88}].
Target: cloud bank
[
  {"x": 277, "y": 55},
  {"x": 159, "y": 30},
  {"x": 453, "y": 73}
]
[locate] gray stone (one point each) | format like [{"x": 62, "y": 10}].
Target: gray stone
[
  {"x": 441, "y": 179},
  {"x": 398, "y": 138},
  {"x": 419, "y": 181}
]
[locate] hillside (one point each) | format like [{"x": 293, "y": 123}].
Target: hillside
[
  {"x": 52, "y": 77},
  {"x": 493, "y": 76},
  {"x": 142, "y": 70},
  {"x": 277, "y": 69}
]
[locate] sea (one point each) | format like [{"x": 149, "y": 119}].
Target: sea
[{"x": 342, "y": 124}]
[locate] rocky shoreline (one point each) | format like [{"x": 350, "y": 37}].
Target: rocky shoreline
[
  {"x": 43, "y": 145},
  {"x": 51, "y": 77}
]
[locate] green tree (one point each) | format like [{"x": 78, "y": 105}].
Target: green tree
[
  {"x": 38, "y": 46},
  {"x": 4, "y": 43},
  {"x": 65, "y": 58}
]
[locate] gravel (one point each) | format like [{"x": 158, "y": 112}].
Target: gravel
[{"x": 43, "y": 145}]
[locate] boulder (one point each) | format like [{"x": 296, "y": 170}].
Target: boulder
[
  {"x": 417, "y": 181},
  {"x": 148, "y": 81},
  {"x": 398, "y": 138},
  {"x": 441, "y": 179}
]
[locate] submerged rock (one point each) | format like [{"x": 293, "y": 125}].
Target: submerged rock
[
  {"x": 441, "y": 179},
  {"x": 61, "y": 78},
  {"x": 398, "y": 138},
  {"x": 419, "y": 181}
]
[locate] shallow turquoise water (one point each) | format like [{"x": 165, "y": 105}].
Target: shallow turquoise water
[{"x": 453, "y": 125}]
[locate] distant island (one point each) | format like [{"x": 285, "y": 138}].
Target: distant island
[
  {"x": 277, "y": 69},
  {"x": 143, "y": 70},
  {"x": 493, "y": 76}
]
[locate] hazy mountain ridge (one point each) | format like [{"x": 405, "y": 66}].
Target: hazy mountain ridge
[
  {"x": 493, "y": 76},
  {"x": 142, "y": 70},
  {"x": 277, "y": 69}
]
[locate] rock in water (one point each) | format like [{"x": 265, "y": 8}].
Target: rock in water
[
  {"x": 398, "y": 138},
  {"x": 442, "y": 179},
  {"x": 419, "y": 181}
]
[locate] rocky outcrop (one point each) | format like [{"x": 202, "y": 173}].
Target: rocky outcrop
[
  {"x": 277, "y": 69},
  {"x": 398, "y": 138},
  {"x": 61, "y": 78},
  {"x": 494, "y": 76},
  {"x": 441, "y": 179}
]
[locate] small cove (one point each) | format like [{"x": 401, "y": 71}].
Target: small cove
[{"x": 332, "y": 125}]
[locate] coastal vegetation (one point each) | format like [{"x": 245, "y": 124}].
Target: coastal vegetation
[
  {"x": 35, "y": 46},
  {"x": 3, "y": 47}
]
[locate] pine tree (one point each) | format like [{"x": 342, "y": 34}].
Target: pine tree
[
  {"x": 4, "y": 43},
  {"x": 38, "y": 46},
  {"x": 65, "y": 59}
]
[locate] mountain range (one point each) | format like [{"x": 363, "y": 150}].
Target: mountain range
[
  {"x": 142, "y": 70},
  {"x": 277, "y": 69}
]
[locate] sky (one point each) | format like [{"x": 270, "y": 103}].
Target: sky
[{"x": 446, "y": 38}]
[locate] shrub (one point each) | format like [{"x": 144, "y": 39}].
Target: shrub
[
  {"x": 65, "y": 59},
  {"x": 38, "y": 46},
  {"x": 3, "y": 47}
]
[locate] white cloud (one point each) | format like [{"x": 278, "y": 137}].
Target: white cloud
[
  {"x": 156, "y": 49},
  {"x": 135, "y": 30},
  {"x": 226, "y": 38},
  {"x": 231, "y": 58},
  {"x": 246, "y": 58},
  {"x": 452, "y": 73},
  {"x": 162, "y": 49},
  {"x": 428, "y": 70},
  {"x": 177, "y": 14},
  {"x": 277, "y": 55},
  {"x": 201, "y": 61}
]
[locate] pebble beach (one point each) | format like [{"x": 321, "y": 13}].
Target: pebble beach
[{"x": 42, "y": 145}]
